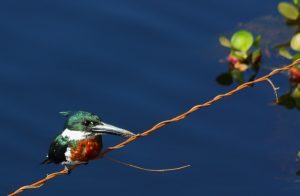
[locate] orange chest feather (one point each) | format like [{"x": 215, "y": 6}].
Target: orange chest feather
[{"x": 86, "y": 150}]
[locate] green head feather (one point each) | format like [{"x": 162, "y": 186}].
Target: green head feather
[
  {"x": 66, "y": 113},
  {"x": 80, "y": 120}
]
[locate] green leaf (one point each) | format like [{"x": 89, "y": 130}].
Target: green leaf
[
  {"x": 296, "y": 2},
  {"x": 296, "y": 93},
  {"x": 285, "y": 53},
  {"x": 286, "y": 101},
  {"x": 288, "y": 10},
  {"x": 257, "y": 41},
  {"x": 224, "y": 79},
  {"x": 295, "y": 42},
  {"x": 240, "y": 55},
  {"x": 242, "y": 40},
  {"x": 237, "y": 76},
  {"x": 297, "y": 102},
  {"x": 296, "y": 56},
  {"x": 256, "y": 56},
  {"x": 224, "y": 42}
]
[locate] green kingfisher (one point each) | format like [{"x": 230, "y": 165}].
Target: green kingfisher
[{"x": 81, "y": 139}]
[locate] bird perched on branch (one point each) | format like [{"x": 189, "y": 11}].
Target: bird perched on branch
[{"x": 81, "y": 139}]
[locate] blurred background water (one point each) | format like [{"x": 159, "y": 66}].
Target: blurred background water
[{"x": 136, "y": 63}]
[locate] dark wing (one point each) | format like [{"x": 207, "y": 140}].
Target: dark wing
[{"x": 57, "y": 149}]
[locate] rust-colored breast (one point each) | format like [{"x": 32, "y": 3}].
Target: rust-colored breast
[{"x": 86, "y": 150}]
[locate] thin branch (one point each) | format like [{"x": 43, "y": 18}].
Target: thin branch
[
  {"x": 145, "y": 169},
  {"x": 40, "y": 183},
  {"x": 275, "y": 89},
  {"x": 162, "y": 124}
]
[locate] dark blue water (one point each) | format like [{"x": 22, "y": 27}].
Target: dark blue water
[{"x": 136, "y": 63}]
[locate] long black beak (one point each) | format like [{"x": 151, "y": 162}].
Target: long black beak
[{"x": 110, "y": 129}]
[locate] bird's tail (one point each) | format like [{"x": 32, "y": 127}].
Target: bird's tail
[{"x": 46, "y": 161}]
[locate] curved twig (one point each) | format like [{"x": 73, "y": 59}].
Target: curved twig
[{"x": 146, "y": 169}]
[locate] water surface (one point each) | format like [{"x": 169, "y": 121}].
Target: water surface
[{"x": 136, "y": 63}]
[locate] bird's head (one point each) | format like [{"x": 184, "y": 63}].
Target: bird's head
[{"x": 90, "y": 122}]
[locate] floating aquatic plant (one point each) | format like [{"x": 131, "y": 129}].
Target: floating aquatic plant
[
  {"x": 290, "y": 11},
  {"x": 244, "y": 53},
  {"x": 292, "y": 98},
  {"x": 286, "y": 52},
  {"x": 291, "y": 51},
  {"x": 294, "y": 45}
]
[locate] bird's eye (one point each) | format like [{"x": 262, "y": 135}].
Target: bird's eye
[{"x": 86, "y": 123}]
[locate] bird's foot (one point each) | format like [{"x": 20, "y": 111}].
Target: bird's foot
[{"x": 69, "y": 168}]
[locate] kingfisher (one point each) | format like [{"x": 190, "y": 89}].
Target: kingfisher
[{"x": 81, "y": 139}]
